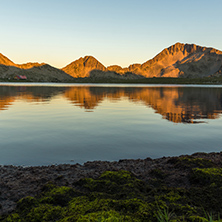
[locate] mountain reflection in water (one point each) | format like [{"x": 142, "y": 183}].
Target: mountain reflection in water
[{"x": 176, "y": 104}]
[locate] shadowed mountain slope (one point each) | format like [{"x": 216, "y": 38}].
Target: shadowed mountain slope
[{"x": 34, "y": 71}]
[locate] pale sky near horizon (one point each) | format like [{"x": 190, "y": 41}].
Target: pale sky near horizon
[{"x": 119, "y": 32}]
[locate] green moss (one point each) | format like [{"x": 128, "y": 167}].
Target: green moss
[
  {"x": 84, "y": 205},
  {"x": 158, "y": 173},
  {"x": 13, "y": 217},
  {"x": 120, "y": 184},
  {"x": 44, "y": 212},
  {"x": 176, "y": 201},
  {"x": 207, "y": 187},
  {"x": 120, "y": 177},
  {"x": 197, "y": 219},
  {"x": 109, "y": 216},
  {"x": 207, "y": 176},
  {"x": 120, "y": 196},
  {"x": 58, "y": 195},
  {"x": 25, "y": 204},
  {"x": 191, "y": 162}
]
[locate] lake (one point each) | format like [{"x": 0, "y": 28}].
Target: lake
[{"x": 44, "y": 124}]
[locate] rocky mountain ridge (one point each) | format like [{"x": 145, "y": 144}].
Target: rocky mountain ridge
[{"x": 178, "y": 60}]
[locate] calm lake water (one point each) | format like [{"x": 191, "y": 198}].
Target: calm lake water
[{"x": 57, "y": 123}]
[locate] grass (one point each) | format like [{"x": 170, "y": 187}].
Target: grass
[{"x": 163, "y": 215}]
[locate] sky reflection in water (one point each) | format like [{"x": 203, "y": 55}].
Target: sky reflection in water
[{"x": 49, "y": 125}]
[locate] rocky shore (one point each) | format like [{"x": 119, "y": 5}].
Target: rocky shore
[{"x": 17, "y": 182}]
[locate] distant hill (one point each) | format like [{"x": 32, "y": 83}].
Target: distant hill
[
  {"x": 36, "y": 72},
  {"x": 179, "y": 60}
]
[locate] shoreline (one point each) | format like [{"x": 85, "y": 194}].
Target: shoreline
[
  {"x": 154, "y": 80},
  {"x": 18, "y": 182}
]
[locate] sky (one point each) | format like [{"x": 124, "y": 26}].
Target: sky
[{"x": 120, "y": 32}]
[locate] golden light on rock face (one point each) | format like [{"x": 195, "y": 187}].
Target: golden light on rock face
[
  {"x": 178, "y": 60},
  {"x": 176, "y": 104}
]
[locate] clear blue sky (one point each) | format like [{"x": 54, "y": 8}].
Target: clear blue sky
[{"x": 118, "y": 32}]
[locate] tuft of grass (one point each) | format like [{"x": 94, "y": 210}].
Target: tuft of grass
[{"x": 163, "y": 215}]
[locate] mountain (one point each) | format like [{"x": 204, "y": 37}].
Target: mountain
[
  {"x": 182, "y": 60},
  {"x": 83, "y": 66},
  {"x": 37, "y": 72},
  {"x": 179, "y": 60}
]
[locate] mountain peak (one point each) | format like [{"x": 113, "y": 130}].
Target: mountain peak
[
  {"x": 181, "y": 47},
  {"x": 5, "y": 61},
  {"x": 83, "y": 66},
  {"x": 90, "y": 61},
  {"x": 87, "y": 57}
]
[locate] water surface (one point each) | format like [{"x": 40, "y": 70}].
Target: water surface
[{"x": 52, "y": 124}]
